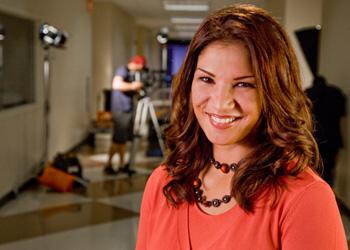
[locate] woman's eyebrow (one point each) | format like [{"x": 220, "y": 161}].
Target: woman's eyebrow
[
  {"x": 243, "y": 77},
  {"x": 207, "y": 72},
  {"x": 235, "y": 79}
]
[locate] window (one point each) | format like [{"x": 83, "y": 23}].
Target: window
[{"x": 16, "y": 61}]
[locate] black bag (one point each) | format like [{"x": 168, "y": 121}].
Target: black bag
[{"x": 68, "y": 163}]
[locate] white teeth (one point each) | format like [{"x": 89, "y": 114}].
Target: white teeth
[{"x": 222, "y": 120}]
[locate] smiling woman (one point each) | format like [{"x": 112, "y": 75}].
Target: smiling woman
[{"x": 242, "y": 166}]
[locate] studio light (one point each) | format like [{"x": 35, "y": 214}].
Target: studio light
[
  {"x": 52, "y": 36},
  {"x": 162, "y": 36}
]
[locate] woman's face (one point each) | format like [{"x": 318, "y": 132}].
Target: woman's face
[{"x": 224, "y": 95}]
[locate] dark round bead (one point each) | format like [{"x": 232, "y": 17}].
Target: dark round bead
[
  {"x": 199, "y": 199},
  {"x": 225, "y": 168},
  {"x": 233, "y": 166},
  {"x": 217, "y": 164},
  {"x": 226, "y": 199},
  {"x": 207, "y": 203},
  {"x": 198, "y": 191},
  {"x": 196, "y": 194},
  {"x": 197, "y": 183},
  {"x": 216, "y": 202}
]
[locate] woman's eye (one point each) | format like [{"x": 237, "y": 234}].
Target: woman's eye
[
  {"x": 206, "y": 79},
  {"x": 245, "y": 85}
]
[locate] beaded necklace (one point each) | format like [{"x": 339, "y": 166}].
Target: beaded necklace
[
  {"x": 197, "y": 183},
  {"x": 224, "y": 167}
]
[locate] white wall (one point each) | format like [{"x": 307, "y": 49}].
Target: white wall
[
  {"x": 147, "y": 45},
  {"x": 277, "y": 9},
  {"x": 21, "y": 144},
  {"x": 302, "y": 14},
  {"x": 335, "y": 66},
  {"x": 102, "y": 56},
  {"x": 113, "y": 43},
  {"x": 124, "y": 38}
]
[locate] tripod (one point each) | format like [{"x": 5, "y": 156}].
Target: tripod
[{"x": 144, "y": 108}]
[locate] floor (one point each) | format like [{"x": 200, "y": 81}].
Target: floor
[{"x": 103, "y": 216}]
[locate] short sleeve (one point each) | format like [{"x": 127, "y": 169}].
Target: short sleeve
[
  {"x": 313, "y": 221},
  {"x": 122, "y": 72}
]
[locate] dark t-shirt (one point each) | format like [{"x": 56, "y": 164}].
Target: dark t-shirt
[{"x": 123, "y": 101}]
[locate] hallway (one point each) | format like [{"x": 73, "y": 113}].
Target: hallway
[{"x": 101, "y": 36}]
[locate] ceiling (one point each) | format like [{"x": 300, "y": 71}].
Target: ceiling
[{"x": 151, "y": 13}]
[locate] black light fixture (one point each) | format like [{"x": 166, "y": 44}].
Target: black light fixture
[
  {"x": 309, "y": 40},
  {"x": 2, "y": 32},
  {"x": 52, "y": 36}
]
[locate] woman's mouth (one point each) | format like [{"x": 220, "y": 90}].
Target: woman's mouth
[{"x": 222, "y": 122}]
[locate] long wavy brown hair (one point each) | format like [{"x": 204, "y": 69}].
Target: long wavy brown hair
[{"x": 284, "y": 132}]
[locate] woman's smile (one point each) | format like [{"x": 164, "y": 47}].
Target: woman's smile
[{"x": 222, "y": 122}]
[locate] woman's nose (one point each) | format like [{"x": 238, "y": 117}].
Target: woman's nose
[{"x": 222, "y": 97}]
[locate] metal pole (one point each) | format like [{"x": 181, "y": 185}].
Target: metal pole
[{"x": 46, "y": 103}]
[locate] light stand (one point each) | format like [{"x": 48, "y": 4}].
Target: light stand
[
  {"x": 145, "y": 108},
  {"x": 50, "y": 37},
  {"x": 2, "y": 37},
  {"x": 46, "y": 91},
  {"x": 162, "y": 38}
]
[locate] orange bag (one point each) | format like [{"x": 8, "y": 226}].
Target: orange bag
[{"x": 56, "y": 179}]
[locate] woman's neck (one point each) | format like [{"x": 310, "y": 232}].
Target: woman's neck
[{"x": 230, "y": 153}]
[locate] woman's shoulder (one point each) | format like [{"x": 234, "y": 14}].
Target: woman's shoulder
[
  {"x": 308, "y": 196},
  {"x": 306, "y": 184},
  {"x": 304, "y": 180},
  {"x": 153, "y": 193},
  {"x": 158, "y": 178},
  {"x": 160, "y": 174}
]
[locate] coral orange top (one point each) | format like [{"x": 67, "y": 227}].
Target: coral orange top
[{"x": 306, "y": 217}]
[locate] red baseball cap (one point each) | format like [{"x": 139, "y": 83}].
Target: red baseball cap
[{"x": 138, "y": 60}]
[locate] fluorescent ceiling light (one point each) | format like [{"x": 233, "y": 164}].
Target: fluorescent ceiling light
[
  {"x": 173, "y": 6},
  {"x": 185, "y": 27},
  {"x": 183, "y": 34},
  {"x": 186, "y": 20}
]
